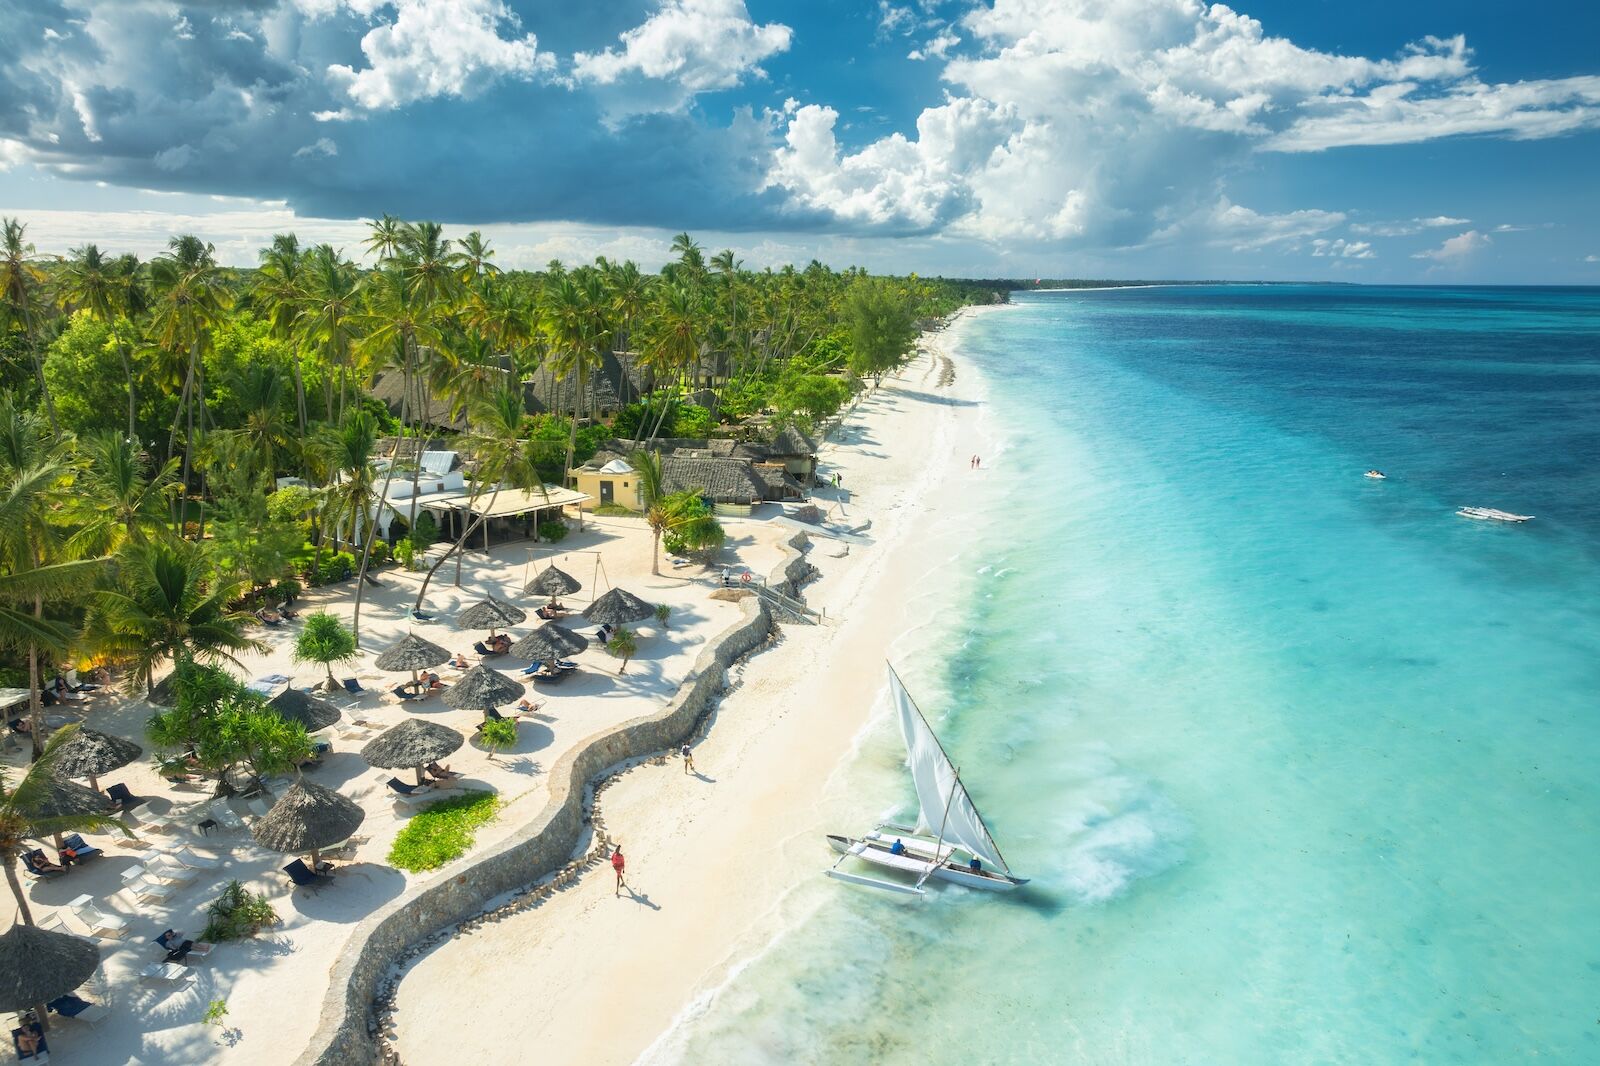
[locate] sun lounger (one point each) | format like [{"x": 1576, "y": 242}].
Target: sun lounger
[
  {"x": 421, "y": 616},
  {"x": 165, "y": 869},
  {"x": 79, "y": 1010},
  {"x": 304, "y": 877},
  {"x": 139, "y": 883},
  {"x": 346, "y": 847},
  {"x": 549, "y": 679},
  {"x": 351, "y": 731},
  {"x": 39, "y": 875},
  {"x": 195, "y": 861},
  {"x": 125, "y": 800},
  {"x": 166, "y": 971},
  {"x": 224, "y": 815},
  {"x": 352, "y": 686},
  {"x": 82, "y": 848},
  {"x": 100, "y": 923},
  {"x": 407, "y": 694},
  {"x": 258, "y": 806},
  {"x": 179, "y": 950}
]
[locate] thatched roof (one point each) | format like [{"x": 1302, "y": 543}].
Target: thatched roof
[
  {"x": 490, "y": 613},
  {"x": 37, "y": 965},
  {"x": 60, "y": 798},
  {"x": 790, "y": 443},
  {"x": 411, "y": 652},
  {"x": 90, "y": 753},
  {"x": 308, "y": 817},
  {"x": 617, "y": 607},
  {"x": 552, "y": 582},
  {"x": 412, "y": 743},
  {"x": 780, "y": 484},
  {"x": 482, "y": 689},
  {"x": 617, "y": 380},
  {"x": 550, "y": 641},
  {"x": 310, "y": 711},
  {"x": 723, "y": 480}
]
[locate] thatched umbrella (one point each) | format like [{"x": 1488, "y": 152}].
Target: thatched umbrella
[
  {"x": 482, "y": 689},
  {"x": 618, "y": 607},
  {"x": 552, "y": 583},
  {"x": 550, "y": 641},
  {"x": 313, "y": 712},
  {"x": 412, "y": 653},
  {"x": 308, "y": 818},
  {"x": 490, "y": 614},
  {"x": 37, "y": 965},
  {"x": 60, "y": 798},
  {"x": 90, "y": 753},
  {"x": 413, "y": 743}
]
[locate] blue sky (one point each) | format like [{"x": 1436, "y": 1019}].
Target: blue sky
[{"x": 1356, "y": 141}]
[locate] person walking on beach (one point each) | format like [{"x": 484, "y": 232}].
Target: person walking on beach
[
  {"x": 617, "y": 863},
  {"x": 688, "y": 759}
]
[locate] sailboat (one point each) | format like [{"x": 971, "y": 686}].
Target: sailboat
[{"x": 950, "y": 840}]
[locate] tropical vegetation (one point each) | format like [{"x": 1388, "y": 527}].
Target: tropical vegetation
[{"x": 442, "y": 831}]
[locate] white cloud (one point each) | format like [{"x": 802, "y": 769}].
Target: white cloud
[
  {"x": 1458, "y": 249},
  {"x": 895, "y": 19},
  {"x": 938, "y": 47},
  {"x": 1406, "y": 227},
  {"x": 1342, "y": 249},
  {"x": 175, "y": 158},
  {"x": 322, "y": 146},
  {"x": 12, "y": 153},
  {"x": 1591, "y": 259},
  {"x": 687, "y": 47},
  {"x": 437, "y": 48},
  {"x": 1230, "y": 225}
]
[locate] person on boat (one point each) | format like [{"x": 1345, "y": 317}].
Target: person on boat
[
  {"x": 898, "y": 847},
  {"x": 975, "y": 866},
  {"x": 617, "y": 864}
]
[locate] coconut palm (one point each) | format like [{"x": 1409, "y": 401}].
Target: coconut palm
[
  {"x": 647, "y": 465},
  {"x": 118, "y": 494},
  {"x": 25, "y": 814},
  {"x": 330, "y": 318},
  {"x": 162, "y": 606},
  {"x": 383, "y": 238},
  {"x": 21, "y": 298},
  {"x": 576, "y": 320},
  {"x": 323, "y": 639},
  {"x": 266, "y": 433},
  {"x": 352, "y": 495},
  {"x": 475, "y": 259},
  {"x": 100, "y": 286},
  {"x": 280, "y": 291}
]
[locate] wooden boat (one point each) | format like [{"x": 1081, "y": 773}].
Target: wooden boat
[
  {"x": 950, "y": 841},
  {"x": 1489, "y": 514}
]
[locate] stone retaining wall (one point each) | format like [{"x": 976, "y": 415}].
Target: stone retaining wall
[
  {"x": 794, "y": 570},
  {"x": 342, "y": 1037}
]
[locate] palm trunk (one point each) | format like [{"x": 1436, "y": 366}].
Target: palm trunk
[
  {"x": 35, "y": 707},
  {"x": 133, "y": 405},
  {"x": 388, "y": 480},
  {"x": 471, "y": 528},
  {"x": 44, "y": 389},
  {"x": 578, "y": 378},
  {"x": 10, "y": 858}
]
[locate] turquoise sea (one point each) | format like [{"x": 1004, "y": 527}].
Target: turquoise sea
[{"x": 1305, "y": 768}]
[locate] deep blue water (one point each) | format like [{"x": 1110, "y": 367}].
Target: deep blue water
[{"x": 1306, "y": 768}]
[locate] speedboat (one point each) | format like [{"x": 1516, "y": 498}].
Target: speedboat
[{"x": 1489, "y": 514}]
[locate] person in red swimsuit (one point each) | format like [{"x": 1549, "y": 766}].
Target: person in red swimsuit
[{"x": 617, "y": 863}]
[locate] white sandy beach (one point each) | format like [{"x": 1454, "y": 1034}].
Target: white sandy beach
[{"x": 590, "y": 976}]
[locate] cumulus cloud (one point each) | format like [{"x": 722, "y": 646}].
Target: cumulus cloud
[
  {"x": 1342, "y": 249},
  {"x": 937, "y": 47},
  {"x": 438, "y": 48},
  {"x": 1458, "y": 249},
  {"x": 1406, "y": 227},
  {"x": 687, "y": 47}
]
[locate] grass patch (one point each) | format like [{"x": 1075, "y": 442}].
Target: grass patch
[
  {"x": 615, "y": 510},
  {"x": 442, "y": 831}
]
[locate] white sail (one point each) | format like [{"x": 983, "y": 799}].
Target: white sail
[{"x": 938, "y": 787}]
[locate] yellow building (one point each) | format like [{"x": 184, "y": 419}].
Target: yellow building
[{"x": 613, "y": 483}]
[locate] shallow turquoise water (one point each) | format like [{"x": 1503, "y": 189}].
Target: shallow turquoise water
[{"x": 1304, "y": 767}]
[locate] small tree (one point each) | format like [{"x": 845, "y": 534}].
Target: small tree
[
  {"x": 227, "y": 726},
  {"x": 498, "y": 733},
  {"x": 622, "y": 645},
  {"x": 663, "y": 612},
  {"x": 691, "y": 526},
  {"x": 237, "y": 913},
  {"x": 324, "y": 639}
]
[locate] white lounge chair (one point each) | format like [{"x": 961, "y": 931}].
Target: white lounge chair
[
  {"x": 137, "y": 881},
  {"x": 163, "y": 868},
  {"x": 166, "y": 971},
  {"x": 225, "y": 815},
  {"x": 193, "y": 860},
  {"x": 53, "y": 921},
  {"x": 159, "y": 823},
  {"x": 99, "y": 922}
]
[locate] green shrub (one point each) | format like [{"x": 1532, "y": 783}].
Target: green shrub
[
  {"x": 615, "y": 510},
  {"x": 552, "y": 531},
  {"x": 498, "y": 733},
  {"x": 425, "y": 532},
  {"x": 287, "y": 590},
  {"x": 622, "y": 645},
  {"x": 663, "y": 612},
  {"x": 405, "y": 553},
  {"x": 336, "y": 566},
  {"x": 442, "y": 831},
  {"x": 380, "y": 553},
  {"x": 237, "y": 913}
]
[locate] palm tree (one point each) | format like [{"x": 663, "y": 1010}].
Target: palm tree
[
  {"x": 163, "y": 606},
  {"x": 629, "y": 290},
  {"x": 474, "y": 257},
  {"x": 575, "y": 320},
  {"x": 330, "y": 318},
  {"x": 117, "y": 496},
  {"x": 265, "y": 432},
  {"x": 91, "y": 282},
  {"x": 501, "y": 459},
  {"x": 190, "y": 300},
  {"x": 280, "y": 290},
  {"x": 431, "y": 270},
  {"x": 352, "y": 495},
  {"x": 383, "y": 240},
  {"x": 673, "y": 346},
  {"x": 647, "y": 465},
  {"x": 22, "y": 817},
  {"x": 21, "y": 293}
]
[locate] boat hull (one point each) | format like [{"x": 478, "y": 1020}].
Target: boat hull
[{"x": 877, "y": 852}]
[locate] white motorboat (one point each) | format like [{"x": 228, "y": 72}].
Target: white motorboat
[
  {"x": 950, "y": 841},
  {"x": 1489, "y": 514}
]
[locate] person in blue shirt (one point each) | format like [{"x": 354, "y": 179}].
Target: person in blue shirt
[{"x": 898, "y": 847}]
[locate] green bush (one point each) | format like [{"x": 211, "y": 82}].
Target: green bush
[
  {"x": 498, "y": 733},
  {"x": 615, "y": 510},
  {"x": 442, "y": 831},
  {"x": 426, "y": 531},
  {"x": 287, "y": 590},
  {"x": 237, "y": 913},
  {"x": 552, "y": 531},
  {"x": 380, "y": 553},
  {"x": 405, "y": 553},
  {"x": 336, "y": 566}
]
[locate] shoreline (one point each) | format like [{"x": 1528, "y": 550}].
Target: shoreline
[{"x": 650, "y": 960}]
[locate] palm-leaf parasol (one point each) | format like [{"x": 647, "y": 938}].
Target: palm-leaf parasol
[
  {"x": 308, "y": 818},
  {"x": 90, "y": 753},
  {"x": 490, "y": 614},
  {"x": 413, "y": 653},
  {"x": 37, "y": 965},
  {"x": 550, "y": 641},
  {"x": 413, "y": 743},
  {"x": 482, "y": 689},
  {"x": 552, "y": 583},
  {"x": 618, "y": 607},
  {"x": 310, "y": 711}
]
